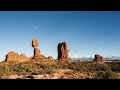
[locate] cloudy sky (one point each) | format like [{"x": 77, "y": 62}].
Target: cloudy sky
[{"x": 86, "y": 32}]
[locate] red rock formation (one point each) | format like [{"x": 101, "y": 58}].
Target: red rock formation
[
  {"x": 62, "y": 51},
  {"x": 50, "y": 57},
  {"x": 23, "y": 57},
  {"x": 37, "y": 54},
  {"x": 14, "y": 57},
  {"x": 98, "y": 59},
  {"x": 34, "y": 43}
]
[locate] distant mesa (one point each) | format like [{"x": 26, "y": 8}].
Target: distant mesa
[
  {"x": 98, "y": 59},
  {"x": 63, "y": 52}
]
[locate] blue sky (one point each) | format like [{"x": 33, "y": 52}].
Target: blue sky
[{"x": 86, "y": 32}]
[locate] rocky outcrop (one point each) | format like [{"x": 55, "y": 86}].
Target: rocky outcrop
[
  {"x": 50, "y": 57},
  {"x": 23, "y": 57},
  {"x": 98, "y": 59},
  {"x": 63, "y": 51},
  {"x": 14, "y": 57},
  {"x": 37, "y": 54}
]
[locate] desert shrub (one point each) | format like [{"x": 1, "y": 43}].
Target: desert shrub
[
  {"x": 27, "y": 68},
  {"x": 105, "y": 75},
  {"x": 88, "y": 67},
  {"x": 62, "y": 65},
  {"x": 7, "y": 69},
  {"x": 115, "y": 66}
]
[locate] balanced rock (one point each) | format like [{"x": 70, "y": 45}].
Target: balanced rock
[
  {"x": 34, "y": 43},
  {"x": 62, "y": 51},
  {"x": 98, "y": 59}
]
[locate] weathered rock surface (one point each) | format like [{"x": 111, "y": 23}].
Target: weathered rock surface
[
  {"x": 37, "y": 53},
  {"x": 14, "y": 57},
  {"x": 99, "y": 59},
  {"x": 35, "y": 43},
  {"x": 23, "y": 57},
  {"x": 50, "y": 57},
  {"x": 63, "y": 51}
]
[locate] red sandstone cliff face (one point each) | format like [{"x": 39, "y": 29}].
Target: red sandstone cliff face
[
  {"x": 99, "y": 59},
  {"x": 62, "y": 51}
]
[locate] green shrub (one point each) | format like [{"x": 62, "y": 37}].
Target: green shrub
[
  {"x": 105, "y": 75},
  {"x": 115, "y": 66}
]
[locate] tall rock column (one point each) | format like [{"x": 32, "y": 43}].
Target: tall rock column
[{"x": 62, "y": 51}]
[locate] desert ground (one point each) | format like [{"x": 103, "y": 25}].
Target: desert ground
[{"x": 72, "y": 70}]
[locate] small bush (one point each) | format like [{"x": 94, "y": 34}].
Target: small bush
[
  {"x": 115, "y": 66},
  {"x": 105, "y": 75}
]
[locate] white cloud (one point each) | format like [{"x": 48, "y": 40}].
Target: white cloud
[
  {"x": 35, "y": 27},
  {"x": 75, "y": 56}
]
